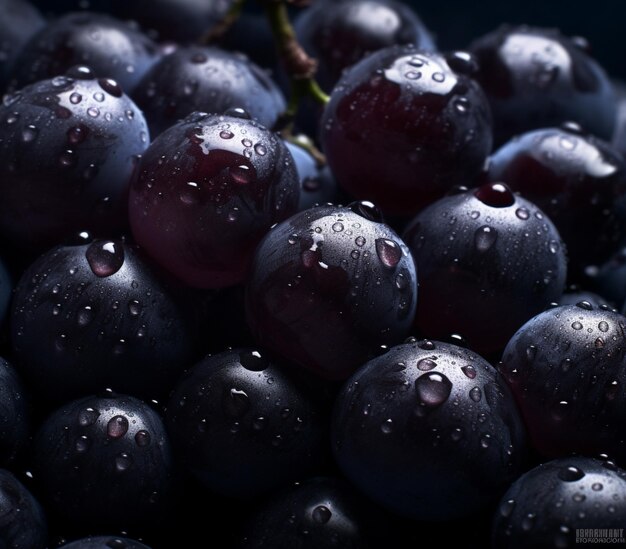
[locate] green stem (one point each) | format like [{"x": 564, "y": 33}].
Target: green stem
[
  {"x": 299, "y": 66},
  {"x": 225, "y": 24}
]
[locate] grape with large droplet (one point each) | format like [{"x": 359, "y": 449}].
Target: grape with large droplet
[
  {"x": 488, "y": 261},
  {"x": 428, "y": 430},
  {"x": 100, "y": 315},
  {"x": 330, "y": 286},
  {"x": 207, "y": 191}
]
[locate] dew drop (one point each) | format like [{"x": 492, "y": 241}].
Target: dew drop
[
  {"x": 475, "y": 394},
  {"x": 337, "y": 227},
  {"x": 29, "y": 134},
  {"x": 84, "y": 316},
  {"x": 388, "y": 252},
  {"x": 75, "y": 98},
  {"x": 506, "y": 509},
  {"x": 469, "y": 371},
  {"x": 260, "y": 149},
  {"x": 253, "y": 361},
  {"x": 110, "y": 86},
  {"x": 105, "y": 257},
  {"x": 117, "y": 427},
  {"x": 496, "y": 195},
  {"x": 360, "y": 241},
  {"x": 123, "y": 462},
  {"x": 236, "y": 402},
  {"x": 570, "y": 474},
  {"x": 522, "y": 213},
  {"x": 142, "y": 438},
  {"x": 577, "y": 325},
  {"x": 87, "y": 417},
  {"x": 94, "y": 112},
  {"x": 82, "y": 444},
  {"x": 484, "y": 238},
  {"x": 433, "y": 389},
  {"x": 387, "y": 426},
  {"x": 321, "y": 514},
  {"x": 226, "y": 134},
  {"x": 426, "y": 364},
  {"x": 603, "y": 326}
]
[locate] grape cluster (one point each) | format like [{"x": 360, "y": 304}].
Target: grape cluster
[{"x": 358, "y": 291}]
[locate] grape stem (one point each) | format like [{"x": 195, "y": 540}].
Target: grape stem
[
  {"x": 219, "y": 30},
  {"x": 299, "y": 66}
]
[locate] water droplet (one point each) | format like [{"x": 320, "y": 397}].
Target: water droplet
[
  {"x": 260, "y": 149},
  {"x": 388, "y": 252},
  {"x": 469, "y": 371},
  {"x": 528, "y": 522},
  {"x": 105, "y": 257},
  {"x": 134, "y": 307},
  {"x": 522, "y": 213},
  {"x": 599, "y": 343},
  {"x": 93, "y": 112},
  {"x": 433, "y": 389},
  {"x": 29, "y": 134},
  {"x": 123, "y": 462},
  {"x": 142, "y": 438},
  {"x": 603, "y": 326},
  {"x": 242, "y": 175},
  {"x": 253, "y": 361},
  {"x": 426, "y": 364},
  {"x": 475, "y": 394},
  {"x": 236, "y": 402},
  {"x": 611, "y": 390},
  {"x": 321, "y": 514},
  {"x": 82, "y": 444},
  {"x": 577, "y": 325},
  {"x": 401, "y": 282},
  {"x": 110, "y": 86},
  {"x": 438, "y": 77},
  {"x": 99, "y": 97},
  {"x": 387, "y": 426},
  {"x": 413, "y": 75},
  {"x": 485, "y": 441},
  {"x": 427, "y": 345},
  {"x": 76, "y": 98},
  {"x": 553, "y": 246},
  {"x": 585, "y": 305},
  {"x": 117, "y": 427},
  {"x": 367, "y": 210},
  {"x": 87, "y": 417},
  {"x": 84, "y": 316},
  {"x": 456, "y": 434},
  {"x": 570, "y": 474},
  {"x": 226, "y": 134},
  {"x": 496, "y": 195},
  {"x": 579, "y": 498},
  {"x": 360, "y": 241},
  {"x": 484, "y": 238},
  {"x": 506, "y": 509}
]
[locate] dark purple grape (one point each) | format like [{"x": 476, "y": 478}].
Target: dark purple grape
[
  {"x": 15, "y": 421},
  {"x": 320, "y": 513},
  {"x": 180, "y": 20},
  {"x": 104, "y": 542},
  {"x": 340, "y": 33},
  {"x": 206, "y": 79},
  {"x": 242, "y": 427},
  {"x": 19, "y": 22},
  {"x": 317, "y": 184},
  {"x": 329, "y": 286},
  {"x": 563, "y": 503},
  {"x": 404, "y": 126},
  {"x": 488, "y": 261},
  {"x": 68, "y": 147},
  {"x": 95, "y": 316},
  {"x": 428, "y": 430},
  {"x": 566, "y": 370},
  {"x": 110, "y": 48},
  {"x": 536, "y": 77},
  {"x": 578, "y": 180},
  {"x": 22, "y": 522},
  {"x": 207, "y": 191},
  {"x": 104, "y": 462}
]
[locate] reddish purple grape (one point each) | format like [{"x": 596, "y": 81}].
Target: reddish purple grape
[
  {"x": 488, "y": 261},
  {"x": 207, "y": 191},
  {"x": 68, "y": 148},
  {"x": 536, "y": 77},
  {"x": 578, "y": 180},
  {"x": 566, "y": 369},
  {"x": 403, "y": 127},
  {"x": 330, "y": 286},
  {"x": 206, "y": 79},
  {"x": 110, "y": 48},
  {"x": 339, "y": 33}
]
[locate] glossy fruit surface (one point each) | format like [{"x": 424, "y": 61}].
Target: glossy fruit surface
[
  {"x": 577, "y": 180},
  {"x": 329, "y": 286},
  {"x": 404, "y": 126},
  {"x": 320, "y": 513},
  {"x": 429, "y": 430},
  {"x": 110, "y": 48},
  {"x": 68, "y": 147},
  {"x": 242, "y": 426},
  {"x": 566, "y": 370},
  {"x": 206, "y": 192},
  {"x": 23, "y": 524},
  {"x": 560, "y": 503},
  {"x": 340, "y": 33},
  {"x": 100, "y": 315},
  {"x": 104, "y": 461},
  {"x": 537, "y": 77},
  {"x": 206, "y": 79},
  {"x": 484, "y": 253}
]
